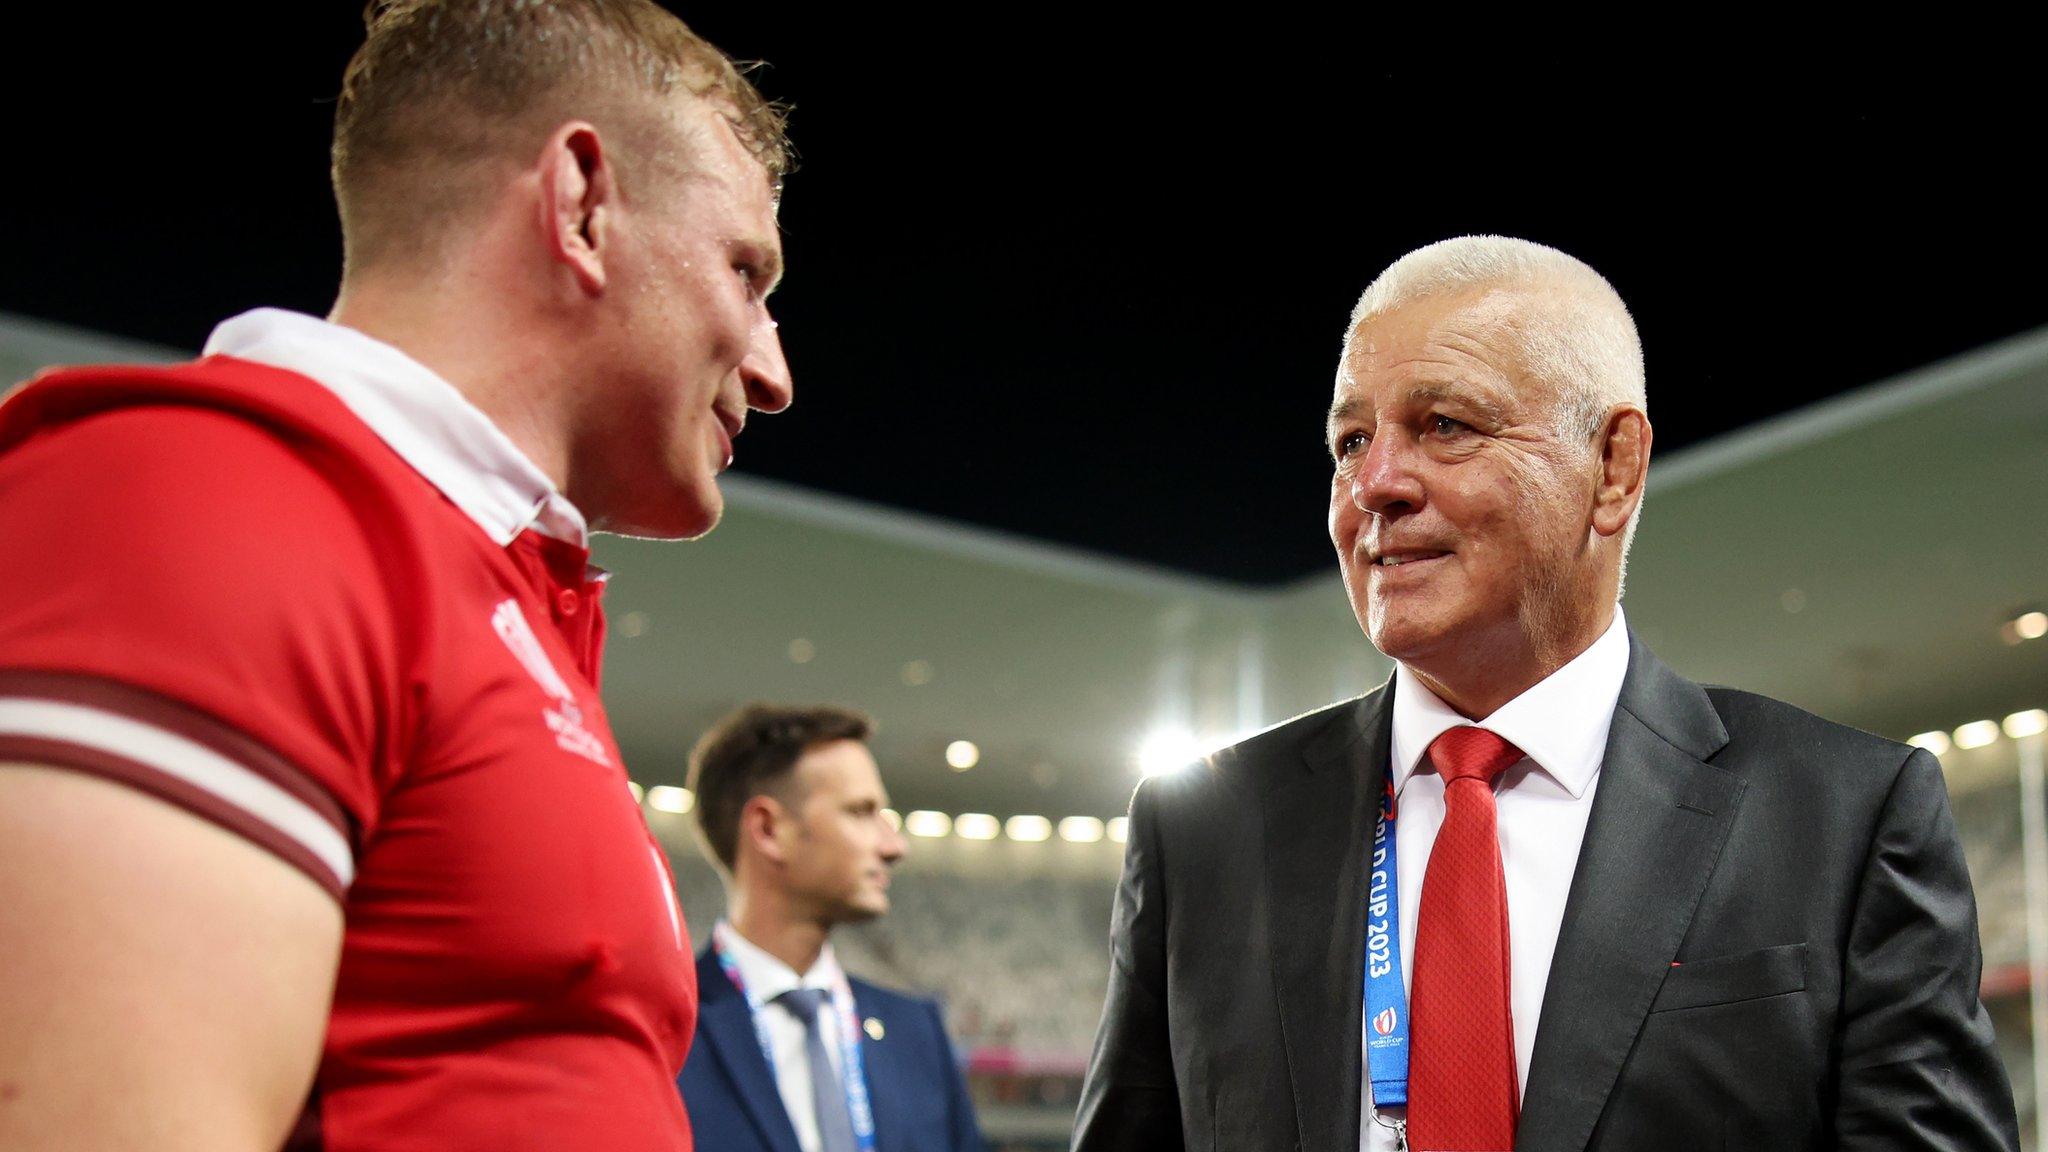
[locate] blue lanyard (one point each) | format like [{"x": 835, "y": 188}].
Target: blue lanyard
[
  {"x": 1386, "y": 999},
  {"x": 851, "y": 1072}
]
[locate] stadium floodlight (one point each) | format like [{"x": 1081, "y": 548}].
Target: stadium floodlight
[
  {"x": 928, "y": 824},
  {"x": 1029, "y": 829},
  {"x": 2030, "y": 625},
  {"x": 1977, "y": 733},
  {"x": 1168, "y": 750},
  {"x": 638, "y": 792},
  {"x": 976, "y": 826},
  {"x": 962, "y": 755},
  {"x": 1935, "y": 742},
  {"x": 2029, "y": 723},
  {"x": 666, "y": 798},
  {"x": 1118, "y": 829},
  {"x": 1081, "y": 829}
]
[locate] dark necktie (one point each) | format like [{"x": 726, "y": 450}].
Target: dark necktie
[
  {"x": 835, "y": 1123},
  {"x": 1463, "y": 1095}
]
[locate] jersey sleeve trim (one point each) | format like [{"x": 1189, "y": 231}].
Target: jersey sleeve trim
[{"x": 181, "y": 756}]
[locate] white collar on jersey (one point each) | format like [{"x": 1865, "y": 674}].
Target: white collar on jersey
[
  {"x": 1560, "y": 722},
  {"x": 424, "y": 419}
]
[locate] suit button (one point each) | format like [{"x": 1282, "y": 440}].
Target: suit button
[{"x": 567, "y": 601}]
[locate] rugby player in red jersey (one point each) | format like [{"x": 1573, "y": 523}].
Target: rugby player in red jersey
[{"x": 313, "y": 832}]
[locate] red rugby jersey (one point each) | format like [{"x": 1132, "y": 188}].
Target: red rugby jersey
[{"x": 227, "y": 589}]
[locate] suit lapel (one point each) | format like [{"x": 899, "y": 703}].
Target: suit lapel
[
  {"x": 725, "y": 1024},
  {"x": 1659, "y": 821},
  {"x": 1316, "y": 828},
  {"x": 879, "y": 1062}
]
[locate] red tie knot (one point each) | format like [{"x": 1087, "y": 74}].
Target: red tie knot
[{"x": 1471, "y": 754}]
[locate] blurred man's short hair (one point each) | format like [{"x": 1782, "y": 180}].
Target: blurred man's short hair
[{"x": 752, "y": 752}]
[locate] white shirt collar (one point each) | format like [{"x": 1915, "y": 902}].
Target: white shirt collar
[
  {"x": 767, "y": 977},
  {"x": 424, "y": 418},
  {"x": 1560, "y": 722}
]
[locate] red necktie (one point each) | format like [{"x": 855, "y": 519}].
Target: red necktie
[{"x": 1462, "y": 1094}]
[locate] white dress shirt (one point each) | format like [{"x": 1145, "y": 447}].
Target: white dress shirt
[
  {"x": 1542, "y": 800},
  {"x": 767, "y": 978}
]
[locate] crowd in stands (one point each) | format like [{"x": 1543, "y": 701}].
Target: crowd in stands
[{"x": 1021, "y": 961}]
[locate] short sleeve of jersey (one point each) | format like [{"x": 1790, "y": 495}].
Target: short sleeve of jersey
[{"x": 192, "y": 605}]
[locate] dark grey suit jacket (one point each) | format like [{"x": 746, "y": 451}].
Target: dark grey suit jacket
[{"x": 1770, "y": 943}]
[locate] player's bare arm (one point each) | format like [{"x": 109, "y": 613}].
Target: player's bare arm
[{"x": 170, "y": 995}]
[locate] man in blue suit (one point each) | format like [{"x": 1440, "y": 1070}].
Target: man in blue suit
[{"x": 792, "y": 1054}]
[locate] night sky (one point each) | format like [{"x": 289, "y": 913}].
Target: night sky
[{"x": 1083, "y": 277}]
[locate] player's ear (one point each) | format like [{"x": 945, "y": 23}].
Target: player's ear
[{"x": 578, "y": 194}]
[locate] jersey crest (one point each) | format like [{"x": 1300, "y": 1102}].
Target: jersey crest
[{"x": 564, "y": 717}]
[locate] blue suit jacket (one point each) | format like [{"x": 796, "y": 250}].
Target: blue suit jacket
[{"x": 920, "y": 1099}]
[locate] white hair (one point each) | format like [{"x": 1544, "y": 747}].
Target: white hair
[{"x": 1570, "y": 327}]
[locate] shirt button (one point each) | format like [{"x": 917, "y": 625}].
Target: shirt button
[{"x": 568, "y": 601}]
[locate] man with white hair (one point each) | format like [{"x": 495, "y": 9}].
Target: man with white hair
[{"x": 1538, "y": 891}]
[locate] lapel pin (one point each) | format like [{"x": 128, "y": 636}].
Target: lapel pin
[{"x": 874, "y": 1029}]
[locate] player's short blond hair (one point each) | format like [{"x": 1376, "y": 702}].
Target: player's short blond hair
[{"x": 442, "y": 87}]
